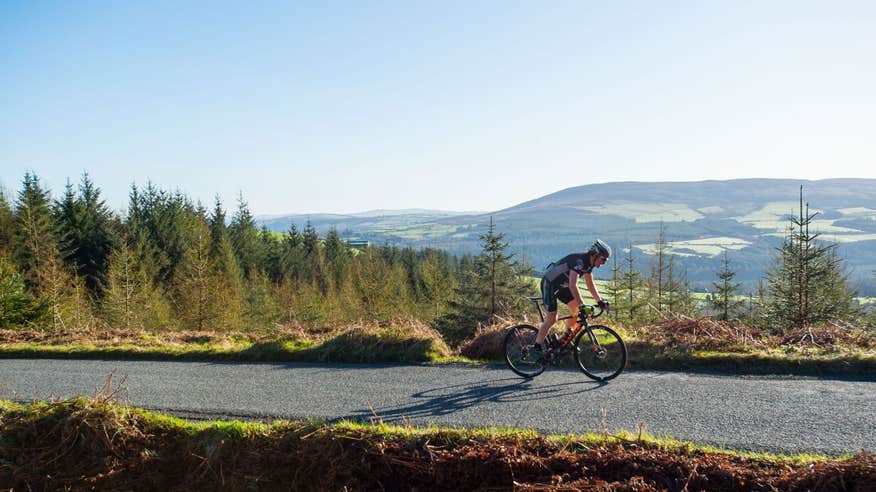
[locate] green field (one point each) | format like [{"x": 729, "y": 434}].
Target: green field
[
  {"x": 711, "y": 246},
  {"x": 647, "y": 211},
  {"x": 774, "y": 215}
]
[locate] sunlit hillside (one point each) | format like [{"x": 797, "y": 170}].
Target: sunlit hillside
[{"x": 701, "y": 220}]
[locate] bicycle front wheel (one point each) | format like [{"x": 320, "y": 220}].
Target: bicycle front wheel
[
  {"x": 601, "y": 353},
  {"x": 516, "y": 346}
]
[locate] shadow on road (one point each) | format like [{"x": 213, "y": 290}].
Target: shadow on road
[{"x": 445, "y": 400}]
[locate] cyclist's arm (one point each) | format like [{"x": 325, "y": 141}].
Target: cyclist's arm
[
  {"x": 588, "y": 279},
  {"x": 573, "y": 287}
]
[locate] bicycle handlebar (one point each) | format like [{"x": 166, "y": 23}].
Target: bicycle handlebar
[{"x": 593, "y": 314}]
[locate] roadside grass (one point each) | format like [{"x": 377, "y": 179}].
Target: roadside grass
[
  {"x": 685, "y": 344},
  {"x": 769, "y": 361},
  {"x": 706, "y": 344},
  {"x": 97, "y": 442},
  {"x": 404, "y": 341}
]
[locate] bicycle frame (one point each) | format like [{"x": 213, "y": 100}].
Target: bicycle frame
[
  {"x": 573, "y": 333},
  {"x": 603, "y": 359}
]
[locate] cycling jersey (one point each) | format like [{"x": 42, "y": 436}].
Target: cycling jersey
[
  {"x": 557, "y": 274},
  {"x": 555, "y": 283}
]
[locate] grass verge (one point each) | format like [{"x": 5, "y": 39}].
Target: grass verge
[
  {"x": 647, "y": 356},
  {"x": 707, "y": 345},
  {"x": 671, "y": 346},
  {"x": 402, "y": 342},
  {"x": 84, "y": 443}
]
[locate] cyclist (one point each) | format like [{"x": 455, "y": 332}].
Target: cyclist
[{"x": 560, "y": 281}]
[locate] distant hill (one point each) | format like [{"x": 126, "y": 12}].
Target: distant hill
[
  {"x": 747, "y": 217},
  {"x": 411, "y": 211}
]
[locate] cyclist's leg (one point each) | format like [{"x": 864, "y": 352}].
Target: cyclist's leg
[
  {"x": 566, "y": 297},
  {"x": 573, "y": 310},
  {"x": 548, "y": 296}
]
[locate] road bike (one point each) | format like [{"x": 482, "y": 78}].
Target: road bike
[{"x": 597, "y": 349}]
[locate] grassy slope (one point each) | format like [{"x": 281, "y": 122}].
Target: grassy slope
[
  {"x": 403, "y": 342},
  {"x": 84, "y": 443}
]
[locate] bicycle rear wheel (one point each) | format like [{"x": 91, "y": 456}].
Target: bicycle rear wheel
[
  {"x": 600, "y": 352},
  {"x": 517, "y": 342}
]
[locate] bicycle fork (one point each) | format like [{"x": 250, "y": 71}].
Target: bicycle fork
[{"x": 594, "y": 342}]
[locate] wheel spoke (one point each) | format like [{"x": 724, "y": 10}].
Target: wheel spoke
[
  {"x": 606, "y": 355},
  {"x": 516, "y": 344}
]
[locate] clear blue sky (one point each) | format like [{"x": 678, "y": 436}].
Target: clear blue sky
[{"x": 470, "y": 105}]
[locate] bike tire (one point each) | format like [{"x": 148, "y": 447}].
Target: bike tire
[
  {"x": 516, "y": 340},
  {"x": 605, "y": 361}
]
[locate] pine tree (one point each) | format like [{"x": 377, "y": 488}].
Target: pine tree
[
  {"x": 37, "y": 257},
  {"x": 66, "y": 296},
  {"x": 65, "y": 218},
  {"x": 674, "y": 287},
  {"x": 438, "y": 282},
  {"x": 409, "y": 261},
  {"x": 493, "y": 286},
  {"x": 390, "y": 253},
  {"x": 292, "y": 256},
  {"x": 119, "y": 308},
  {"x": 632, "y": 285},
  {"x": 262, "y": 308},
  {"x": 374, "y": 282},
  {"x": 245, "y": 238},
  {"x": 312, "y": 257},
  {"x": 724, "y": 302},
  {"x": 807, "y": 283},
  {"x": 85, "y": 233},
  {"x": 163, "y": 222},
  {"x": 33, "y": 236},
  {"x": 311, "y": 305},
  {"x": 231, "y": 291},
  {"x": 346, "y": 306},
  {"x": 336, "y": 255},
  {"x": 18, "y": 308},
  {"x": 615, "y": 289},
  {"x": 401, "y": 299},
  {"x": 758, "y": 307},
  {"x": 222, "y": 253},
  {"x": 130, "y": 299},
  {"x": 272, "y": 260},
  {"x": 501, "y": 273},
  {"x": 659, "y": 266},
  {"x": 7, "y": 224},
  {"x": 218, "y": 229},
  {"x": 831, "y": 298},
  {"x": 686, "y": 303},
  {"x": 137, "y": 234},
  {"x": 197, "y": 304}
]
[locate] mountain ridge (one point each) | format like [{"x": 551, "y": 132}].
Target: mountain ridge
[{"x": 701, "y": 219}]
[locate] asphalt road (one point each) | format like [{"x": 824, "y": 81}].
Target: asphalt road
[{"x": 773, "y": 413}]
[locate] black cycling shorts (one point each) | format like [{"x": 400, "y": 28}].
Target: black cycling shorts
[{"x": 550, "y": 294}]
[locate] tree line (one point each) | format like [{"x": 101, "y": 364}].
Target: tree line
[{"x": 168, "y": 263}]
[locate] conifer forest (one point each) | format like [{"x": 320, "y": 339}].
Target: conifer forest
[{"x": 168, "y": 263}]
